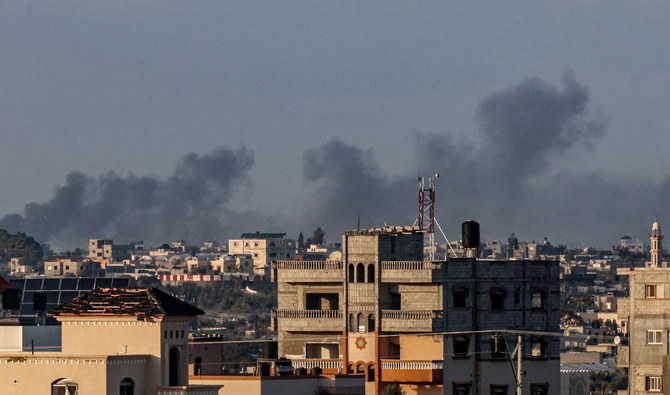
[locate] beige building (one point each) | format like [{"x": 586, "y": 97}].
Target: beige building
[
  {"x": 382, "y": 310},
  {"x": 113, "y": 341},
  {"x": 645, "y": 311},
  {"x": 229, "y": 264},
  {"x": 264, "y": 248},
  {"x": 58, "y": 267}
]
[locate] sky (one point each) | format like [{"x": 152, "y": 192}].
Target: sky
[{"x": 164, "y": 120}]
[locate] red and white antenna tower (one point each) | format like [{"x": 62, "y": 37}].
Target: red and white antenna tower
[{"x": 427, "y": 211}]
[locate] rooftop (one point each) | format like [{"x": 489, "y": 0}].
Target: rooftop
[
  {"x": 126, "y": 302},
  {"x": 259, "y": 235}
]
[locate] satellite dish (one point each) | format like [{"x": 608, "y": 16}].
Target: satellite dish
[{"x": 617, "y": 340}]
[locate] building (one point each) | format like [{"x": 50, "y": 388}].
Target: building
[
  {"x": 382, "y": 310},
  {"x": 645, "y": 311},
  {"x": 99, "y": 249},
  {"x": 264, "y": 248},
  {"x": 76, "y": 267},
  {"x": 633, "y": 246},
  {"x": 127, "y": 341}
]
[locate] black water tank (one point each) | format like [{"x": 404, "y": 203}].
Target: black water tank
[
  {"x": 39, "y": 301},
  {"x": 11, "y": 299},
  {"x": 470, "y": 234},
  {"x": 270, "y": 350},
  {"x": 316, "y": 371},
  {"x": 264, "y": 368},
  {"x": 301, "y": 372}
]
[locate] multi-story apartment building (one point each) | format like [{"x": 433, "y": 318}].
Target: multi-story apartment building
[
  {"x": 645, "y": 314},
  {"x": 76, "y": 267},
  {"x": 385, "y": 312},
  {"x": 264, "y": 248}
]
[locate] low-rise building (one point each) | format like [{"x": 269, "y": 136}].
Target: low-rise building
[{"x": 264, "y": 248}]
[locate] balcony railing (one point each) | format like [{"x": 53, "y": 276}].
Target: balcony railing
[
  {"x": 325, "y": 364},
  {"x": 189, "y": 390},
  {"x": 411, "y": 365},
  {"x": 308, "y": 271},
  {"x": 410, "y": 271},
  {"x": 411, "y": 371},
  {"x": 306, "y": 320},
  {"x": 307, "y": 313},
  {"x": 411, "y": 321}
]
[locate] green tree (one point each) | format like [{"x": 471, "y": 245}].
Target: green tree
[{"x": 318, "y": 237}]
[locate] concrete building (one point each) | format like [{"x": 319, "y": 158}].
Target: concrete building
[
  {"x": 633, "y": 246},
  {"x": 381, "y": 311},
  {"x": 127, "y": 341},
  {"x": 264, "y": 248},
  {"x": 99, "y": 249},
  {"x": 58, "y": 267}
]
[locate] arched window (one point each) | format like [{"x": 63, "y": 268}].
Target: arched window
[
  {"x": 127, "y": 387},
  {"x": 371, "y": 373},
  {"x": 361, "y": 322},
  {"x": 351, "y": 272},
  {"x": 371, "y": 323},
  {"x": 352, "y": 323},
  {"x": 371, "y": 273},
  {"x": 64, "y": 387},
  {"x": 360, "y": 368},
  {"x": 360, "y": 273},
  {"x": 173, "y": 363}
]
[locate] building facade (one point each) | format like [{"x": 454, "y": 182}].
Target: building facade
[
  {"x": 264, "y": 248},
  {"x": 383, "y": 311}
]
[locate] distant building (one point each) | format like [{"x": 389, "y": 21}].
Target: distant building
[
  {"x": 264, "y": 248},
  {"x": 77, "y": 267},
  {"x": 633, "y": 246},
  {"x": 99, "y": 249}
]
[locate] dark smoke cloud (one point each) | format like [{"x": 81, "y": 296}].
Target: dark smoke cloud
[
  {"x": 504, "y": 176},
  {"x": 191, "y": 203}
]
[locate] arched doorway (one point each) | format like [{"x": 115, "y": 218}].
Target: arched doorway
[
  {"x": 64, "y": 387},
  {"x": 127, "y": 386},
  {"x": 173, "y": 362}
]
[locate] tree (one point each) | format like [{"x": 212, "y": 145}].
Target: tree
[
  {"x": 301, "y": 241},
  {"x": 392, "y": 389},
  {"x": 318, "y": 237}
]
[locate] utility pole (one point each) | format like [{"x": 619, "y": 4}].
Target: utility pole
[{"x": 518, "y": 372}]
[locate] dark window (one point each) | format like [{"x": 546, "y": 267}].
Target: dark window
[
  {"x": 361, "y": 322},
  {"x": 371, "y": 273},
  {"x": 461, "y": 388},
  {"x": 371, "y": 323},
  {"x": 360, "y": 273},
  {"x": 497, "y": 347},
  {"x": 197, "y": 366},
  {"x": 127, "y": 386},
  {"x": 395, "y": 301},
  {"x": 539, "y": 389},
  {"x": 498, "y": 389},
  {"x": 517, "y": 296},
  {"x": 173, "y": 366},
  {"x": 497, "y": 300},
  {"x": 351, "y": 272},
  {"x": 460, "y": 297},
  {"x": 352, "y": 323},
  {"x": 461, "y": 345},
  {"x": 539, "y": 348}
]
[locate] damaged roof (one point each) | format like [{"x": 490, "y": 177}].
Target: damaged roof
[
  {"x": 4, "y": 284},
  {"x": 126, "y": 302}
]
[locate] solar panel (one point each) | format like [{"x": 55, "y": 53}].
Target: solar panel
[
  {"x": 52, "y": 297},
  {"x": 68, "y": 284},
  {"x": 103, "y": 283},
  {"x": 19, "y": 283},
  {"x": 33, "y": 284},
  {"x": 27, "y": 308},
  {"x": 51, "y": 284},
  {"x": 120, "y": 283},
  {"x": 86, "y": 284},
  {"x": 66, "y": 296}
]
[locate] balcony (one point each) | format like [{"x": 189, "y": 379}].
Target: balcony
[
  {"x": 190, "y": 390},
  {"x": 307, "y": 320},
  {"x": 308, "y": 271},
  {"x": 411, "y": 272},
  {"x": 410, "y": 371},
  {"x": 412, "y": 321},
  {"x": 327, "y": 365}
]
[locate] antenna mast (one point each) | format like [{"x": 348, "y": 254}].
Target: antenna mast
[{"x": 426, "y": 218}]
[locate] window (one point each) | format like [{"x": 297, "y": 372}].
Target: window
[
  {"x": 273, "y": 255},
  {"x": 371, "y": 323},
  {"x": 539, "y": 389},
  {"x": 653, "y": 383},
  {"x": 654, "y": 337},
  {"x": 351, "y": 273},
  {"x": 255, "y": 244},
  {"x": 460, "y": 296},
  {"x": 517, "y": 296},
  {"x": 461, "y": 345},
  {"x": 361, "y": 322},
  {"x": 360, "y": 273},
  {"x": 653, "y": 291},
  {"x": 497, "y": 347},
  {"x": 371, "y": 273},
  {"x": 537, "y": 300},
  {"x": 127, "y": 386},
  {"x": 352, "y": 323},
  {"x": 461, "y": 388},
  {"x": 497, "y": 299},
  {"x": 197, "y": 366},
  {"x": 539, "y": 348},
  {"x": 498, "y": 389},
  {"x": 64, "y": 387}
]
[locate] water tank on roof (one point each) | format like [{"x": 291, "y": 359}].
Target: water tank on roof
[
  {"x": 470, "y": 230},
  {"x": 229, "y": 258}
]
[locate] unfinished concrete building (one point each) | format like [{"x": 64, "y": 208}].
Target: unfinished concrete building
[{"x": 383, "y": 311}]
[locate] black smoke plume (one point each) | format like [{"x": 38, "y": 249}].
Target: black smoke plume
[
  {"x": 191, "y": 203},
  {"x": 505, "y": 175}
]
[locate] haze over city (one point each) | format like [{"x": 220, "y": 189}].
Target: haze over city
[{"x": 163, "y": 121}]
